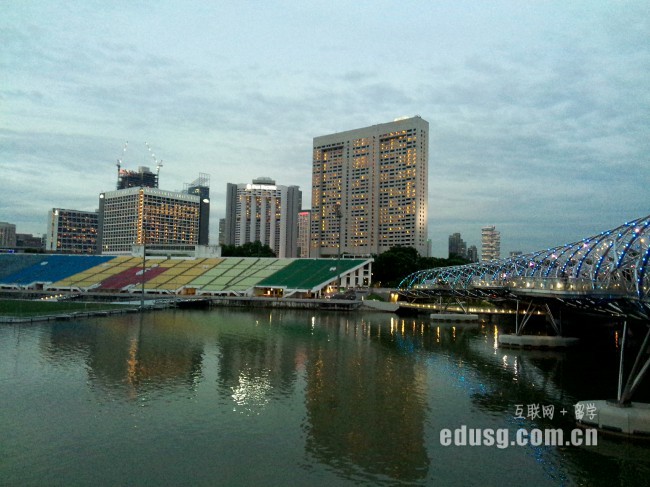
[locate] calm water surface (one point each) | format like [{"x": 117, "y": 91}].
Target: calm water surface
[{"x": 265, "y": 397}]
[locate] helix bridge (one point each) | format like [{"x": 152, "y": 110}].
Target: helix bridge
[{"x": 605, "y": 273}]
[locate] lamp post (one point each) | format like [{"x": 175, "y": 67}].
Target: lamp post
[
  {"x": 339, "y": 215},
  {"x": 143, "y": 240},
  {"x": 144, "y": 254}
]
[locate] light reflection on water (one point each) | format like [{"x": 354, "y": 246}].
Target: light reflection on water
[{"x": 283, "y": 397}]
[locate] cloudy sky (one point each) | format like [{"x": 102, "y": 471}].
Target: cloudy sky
[{"x": 539, "y": 111}]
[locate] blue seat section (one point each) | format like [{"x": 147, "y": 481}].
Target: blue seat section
[
  {"x": 52, "y": 268},
  {"x": 12, "y": 263}
]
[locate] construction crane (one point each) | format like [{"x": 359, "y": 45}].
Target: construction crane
[
  {"x": 120, "y": 161},
  {"x": 159, "y": 163}
]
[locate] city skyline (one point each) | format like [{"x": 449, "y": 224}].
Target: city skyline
[{"x": 538, "y": 113}]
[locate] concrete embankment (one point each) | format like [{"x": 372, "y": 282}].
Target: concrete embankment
[{"x": 254, "y": 302}]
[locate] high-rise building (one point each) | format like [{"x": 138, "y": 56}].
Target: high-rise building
[
  {"x": 369, "y": 189},
  {"x": 222, "y": 231},
  {"x": 263, "y": 211},
  {"x": 7, "y": 235},
  {"x": 71, "y": 231},
  {"x": 304, "y": 229},
  {"x": 457, "y": 246},
  {"x": 201, "y": 188},
  {"x": 490, "y": 243},
  {"x": 158, "y": 219}
]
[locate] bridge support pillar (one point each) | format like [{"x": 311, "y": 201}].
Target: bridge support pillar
[
  {"x": 520, "y": 324},
  {"x": 639, "y": 369},
  {"x": 555, "y": 323}
]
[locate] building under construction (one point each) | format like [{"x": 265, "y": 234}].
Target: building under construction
[{"x": 142, "y": 178}]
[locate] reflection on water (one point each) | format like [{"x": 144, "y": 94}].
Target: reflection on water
[{"x": 259, "y": 397}]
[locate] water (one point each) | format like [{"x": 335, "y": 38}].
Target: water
[{"x": 231, "y": 397}]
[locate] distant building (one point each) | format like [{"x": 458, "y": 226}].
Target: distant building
[
  {"x": 515, "y": 253},
  {"x": 26, "y": 241},
  {"x": 7, "y": 235},
  {"x": 472, "y": 253},
  {"x": 490, "y": 243},
  {"x": 71, "y": 231},
  {"x": 304, "y": 233},
  {"x": 263, "y": 211},
  {"x": 369, "y": 189},
  {"x": 457, "y": 246},
  {"x": 171, "y": 221}
]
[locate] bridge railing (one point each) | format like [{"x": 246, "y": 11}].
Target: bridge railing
[{"x": 565, "y": 285}]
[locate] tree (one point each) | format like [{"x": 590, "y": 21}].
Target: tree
[
  {"x": 249, "y": 249},
  {"x": 390, "y": 267}
]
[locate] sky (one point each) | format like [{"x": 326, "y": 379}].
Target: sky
[{"x": 539, "y": 111}]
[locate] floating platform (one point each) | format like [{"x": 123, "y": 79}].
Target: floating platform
[
  {"x": 535, "y": 341},
  {"x": 611, "y": 417},
  {"x": 380, "y": 306},
  {"x": 454, "y": 317}
]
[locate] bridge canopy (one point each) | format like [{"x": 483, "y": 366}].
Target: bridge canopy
[{"x": 612, "y": 265}]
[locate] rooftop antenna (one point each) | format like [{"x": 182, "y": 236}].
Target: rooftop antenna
[{"x": 120, "y": 161}]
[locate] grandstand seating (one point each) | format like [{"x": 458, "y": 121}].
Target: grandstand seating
[
  {"x": 306, "y": 274},
  {"x": 52, "y": 268},
  {"x": 168, "y": 275}
]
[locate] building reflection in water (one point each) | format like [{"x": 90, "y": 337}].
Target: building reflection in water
[
  {"x": 365, "y": 408},
  {"x": 359, "y": 381},
  {"x": 124, "y": 355}
]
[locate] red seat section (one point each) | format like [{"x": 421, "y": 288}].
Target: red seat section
[{"x": 131, "y": 277}]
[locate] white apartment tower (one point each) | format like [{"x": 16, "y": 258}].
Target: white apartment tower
[
  {"x": 490, "y": 243},
  {"x": 370, "y": 189},
  {"x": 263, "y": 211}
]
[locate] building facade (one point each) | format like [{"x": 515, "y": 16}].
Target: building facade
[
  {"x": 472, "y": 253},
  {"x": 370, "y": 189},
  {"x": 263, "y": 211},
  {"x": 152, "y": 217},
  {"x": 490, "y": 243},
  {"x": 71, "y": 231}
]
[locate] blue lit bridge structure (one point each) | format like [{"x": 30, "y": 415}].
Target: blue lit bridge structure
[{"x": 605, "y": 273}]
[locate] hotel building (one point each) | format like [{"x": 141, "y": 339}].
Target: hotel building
[
  {"x": 263, "y": 211},
  {"x": 71, "y": 231},
  {"x": 162, "y": 220},
  {"x": 370, "y": 189}
]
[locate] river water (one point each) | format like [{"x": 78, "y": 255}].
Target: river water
[{"x": 278, "y": 398}]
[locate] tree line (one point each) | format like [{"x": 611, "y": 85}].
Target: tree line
[{"x": 390, "y": 267}]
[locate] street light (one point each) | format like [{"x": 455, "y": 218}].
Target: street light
[{"x": 339, "y": 215}]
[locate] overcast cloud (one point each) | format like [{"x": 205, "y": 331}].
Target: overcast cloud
[{"x": 539, "y": 112}]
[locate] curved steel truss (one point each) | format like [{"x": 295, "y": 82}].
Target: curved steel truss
[{"x": 613, "y": 266}]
